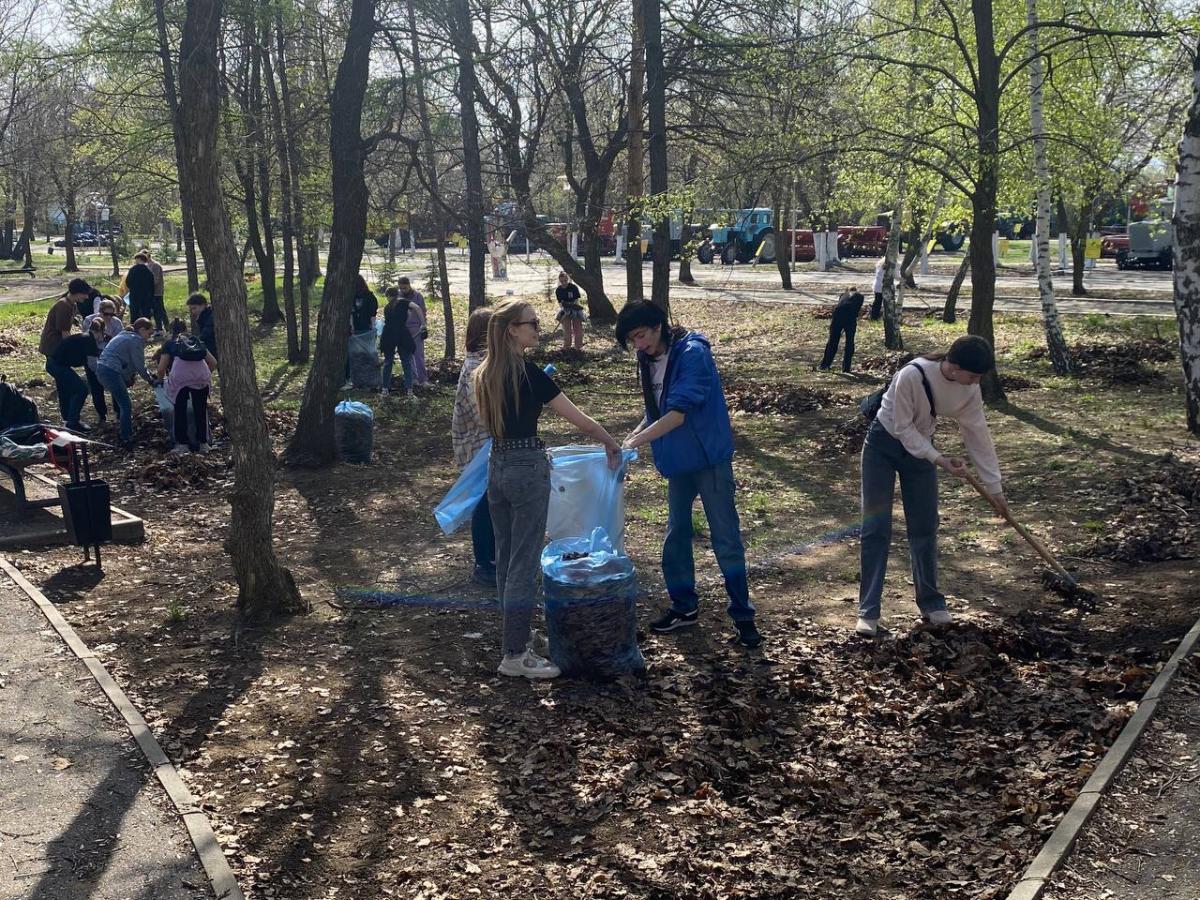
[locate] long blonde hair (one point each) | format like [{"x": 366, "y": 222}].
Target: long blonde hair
[{"x": 499, "y": 376}]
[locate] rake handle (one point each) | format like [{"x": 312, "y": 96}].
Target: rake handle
[{"x": 1033, "y": 542}]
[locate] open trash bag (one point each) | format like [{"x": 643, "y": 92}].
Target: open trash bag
[
  {"x": 591, "y": 607},
  {"x": 460, "y": 501},
  {"x": 586, "y": 494},
  {"x": 354, "y": 431}
]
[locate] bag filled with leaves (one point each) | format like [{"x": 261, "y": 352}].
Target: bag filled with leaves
[
  {"x": 354, "y": 431},
  {"x": 591, "y": 608}
]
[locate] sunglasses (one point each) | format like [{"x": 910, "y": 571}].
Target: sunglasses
[{"x": 534, "y": 322}]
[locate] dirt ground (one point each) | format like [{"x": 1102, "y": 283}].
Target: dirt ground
[{"x": 372, "y": 751}]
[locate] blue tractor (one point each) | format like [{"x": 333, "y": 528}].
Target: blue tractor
[{"x": 750, "y": 230}]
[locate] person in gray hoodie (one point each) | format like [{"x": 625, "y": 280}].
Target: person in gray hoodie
[{"x": 122, "y": 359}]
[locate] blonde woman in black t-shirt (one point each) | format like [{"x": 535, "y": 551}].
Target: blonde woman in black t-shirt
[{"x": 511, "y": 392}]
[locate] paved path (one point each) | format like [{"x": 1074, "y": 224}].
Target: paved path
[
  {"x": 81, "y": 815},
  {"x": 1144, "y": 841}
]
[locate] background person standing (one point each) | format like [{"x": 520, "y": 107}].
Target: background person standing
[
  {"x": 158, "y": 307},
  {"x": 139, "y": 282},
  {"x": 844, "y": 321}
]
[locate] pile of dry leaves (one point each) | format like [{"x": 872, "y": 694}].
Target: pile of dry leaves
[
  {"x": 1116, "y": 361},
  {"x": 846, "y": 437},
  {"x": 748, "y": 395},
  {"x": 1159, "y": 514},
  {"x": 884, "y": 364}
]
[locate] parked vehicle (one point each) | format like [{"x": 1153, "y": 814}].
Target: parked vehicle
[
  {"x": 740, "y": 239},
  {"x": 1150, "y": 246},
  {"x": 1113, "y": 239}
]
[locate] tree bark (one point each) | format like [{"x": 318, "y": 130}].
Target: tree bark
[
  {"x": 1055, "y": 343},
  {"x": 656, "y": 101},
  {"x": 313, "y": 442},
  {"x": 164, "y": 52},
  {"x": 950, "y": 310},
  {"x": 264, "y": 586},
  {"x": 634, "y": 158},
  {"x": 434, "y": 185},
  {"x": 271, "y": 313},
  {"x": 1186, "y": 221},
  {"x": 286, "y": 192},
  {"x": 69, "y": 236},
  {"x": 307, "y": 252},
  {"x": 464, "y": 47},
  {"x": 983, "y": 202},
  {"x": 782, "y": 213},
  {"x": 892, "y": 338},
  {"x": 1079, "y": 234}
]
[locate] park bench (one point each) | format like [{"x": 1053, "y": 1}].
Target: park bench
[{"x": 24, "y": 270}]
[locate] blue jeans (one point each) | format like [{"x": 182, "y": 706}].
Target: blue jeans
[
  {"x": 715, "y": 488},
  {"x": 114, "y": 381},
  {"x": 483, "y": 536},
  {"x": 406, "y": 363},
  {"x": 72, "y": 390},
  {"x": 883, "y": 458}
]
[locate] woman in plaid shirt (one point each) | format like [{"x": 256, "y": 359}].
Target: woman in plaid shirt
[{"x": 469, "y": 434}]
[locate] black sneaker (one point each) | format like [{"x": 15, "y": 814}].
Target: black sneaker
[
  {"x": 747, "y": 634},
  {"x": 673, "y": 620},
  {"x": 484, "y": 576}
]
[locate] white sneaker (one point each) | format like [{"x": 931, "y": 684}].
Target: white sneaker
[
  {"x": 528, "y": 665},
  {"x": 538, "y": 642},
  {"x": 939, "y": 617},
  {"x": 179, "y": 450},
  {"x": 867, "y": 627},
  {"x": 383, "y": 392},
  {"x": 348, "y": 386}
]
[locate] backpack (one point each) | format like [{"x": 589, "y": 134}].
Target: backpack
[
  {"x": 15, "y": 408},
  {"x": 189, "y": 348},
  {"x": 870, "y": 405}
]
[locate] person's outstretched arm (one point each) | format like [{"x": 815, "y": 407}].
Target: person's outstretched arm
[{"x": 562, "y": 405}]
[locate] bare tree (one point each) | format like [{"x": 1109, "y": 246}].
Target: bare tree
[
  {"x": 265, "y": 587},
  {"x": 313, "y": 442}
]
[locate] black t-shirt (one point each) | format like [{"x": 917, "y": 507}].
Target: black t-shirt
[
  {"x": 363, "y": 311},
  {"x": 139, "y": 281},
  {"x": 75, "y": 349},
  {"x": 537, "y": 389},
  {"x": 567, "y": 295}
]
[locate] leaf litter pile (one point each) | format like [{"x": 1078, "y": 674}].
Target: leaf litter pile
[
  {"x": 932, "y": 765},
  {"x": 756, "y": 397},
  {"x": 1119, "y": 362},
  {"x": 1158, "y": 516}
]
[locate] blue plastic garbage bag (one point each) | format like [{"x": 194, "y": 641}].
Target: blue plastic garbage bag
[
  {"x": 354, "y": 431},
  {"x": 591, "y": 608},
  {"x": 460, "y": 501},
  {"x": 585, "y": 494}
]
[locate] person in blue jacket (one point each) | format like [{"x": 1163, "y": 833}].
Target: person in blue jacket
[{"x": 687, "y": 425}]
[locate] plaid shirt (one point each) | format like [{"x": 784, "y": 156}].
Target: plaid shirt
[{"x": 466, "y": 427}]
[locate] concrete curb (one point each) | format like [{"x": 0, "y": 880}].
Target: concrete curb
[
  {"x": 224, "y": 885},
  {"x": 1058, "y": 846}
]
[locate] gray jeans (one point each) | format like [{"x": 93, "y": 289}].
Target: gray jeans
[
  {"x": 518, "y": 495},
  {"x": 884, "y": 457}
]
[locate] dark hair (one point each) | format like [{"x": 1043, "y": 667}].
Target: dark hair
[
  {"x": 477, "y": 328},
  {"x": 972, "y": 353},
  {"x": 197, "y": 299},
  {"x": 640, "y": 314},
  {"x": 361, "y": 286},
  {"x": 142, "y": 255},
  {"x": 391, "y": 293},
  {"x": 178, "y": 327},
  {"x": 96, "y": 325},
  {"x": 142, "y": 323},
  {"x": 78, "y": 286},
  {"x": 403, "y": 280}
]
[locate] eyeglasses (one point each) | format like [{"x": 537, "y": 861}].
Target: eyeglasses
[{"x": 534, "y": 322}]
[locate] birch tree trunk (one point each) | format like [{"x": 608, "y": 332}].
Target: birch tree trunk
[
  {"x": 634, "y": 159},
  {"x": 1055, "y": 342},
  {"x": 1187, "y": 250},
  {"x": 892, "y": 339},
  {"x": 264, "y": 586}
]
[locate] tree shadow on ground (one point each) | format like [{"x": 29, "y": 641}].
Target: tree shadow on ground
[
  {"x": 1096, "y": 442},
  {"x": 72, "y": 583}
]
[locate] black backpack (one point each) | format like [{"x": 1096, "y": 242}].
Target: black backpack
[
  {"x": 189, "y": 348},
  {"x": 870, "y": 405},
  {"x": 15, "y": 408}
]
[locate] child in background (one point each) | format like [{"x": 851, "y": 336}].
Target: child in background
[{"x": 570, "y": 312}]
